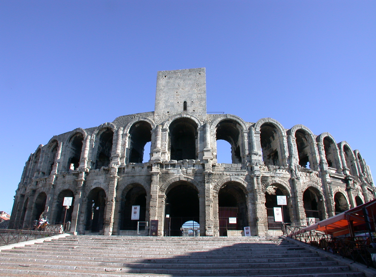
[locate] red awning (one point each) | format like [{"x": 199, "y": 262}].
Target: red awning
[{"x": 338, "y": 225}]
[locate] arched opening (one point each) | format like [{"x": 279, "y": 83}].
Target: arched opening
[
  {"x": 341, "y": 204},
  {"x": 74, "y": 151},
  {"x": 104, "y": 148},
  {"x": 313, "y": 205},
  {"x": 51, "y": 157},
  {"x": 304, "y": 150},
  {"x": 96, "y": 203},
  {"x": 361, "y": 163},
  {"x": 350, "y": 163},
  {"x": 270, "y": 145},
  {"x": 330, "y": 152},
  {"x": 60, "y": 209},
  {"x": 182, "y": 205},
  {"x": 35, "y": 162},
  {"x": 271, "y": 202},
  {"x": 224, "y": 152},
  {"x": 190, "y": 228},
  {"x": 133, "y": 195},
  {"x": 183, "y": 135},
  {"x": 39, "y": 205},
  {"x": 358, "y": 201},
  {"x": 139, "y": 135},
  {"x": 229, "y": 130},
  {"x": 233, "y": 211},
  {"x": 24, "y": 209}
]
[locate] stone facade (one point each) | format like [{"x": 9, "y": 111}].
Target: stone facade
[{"x": 102, "y": 168}]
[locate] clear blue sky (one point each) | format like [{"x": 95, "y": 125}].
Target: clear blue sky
[{"x": 68, "y": 64}]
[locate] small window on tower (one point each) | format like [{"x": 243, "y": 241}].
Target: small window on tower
[{"x": 185, "y": 105}]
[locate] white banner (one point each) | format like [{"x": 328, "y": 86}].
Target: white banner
[
  {"x": 278, "y": 214},
  {"x": 135, "y": 213},
  {"x": 67, "y": 201},
  {"x": 232, "y": 220},
  {"x": 281, "y": 200}
]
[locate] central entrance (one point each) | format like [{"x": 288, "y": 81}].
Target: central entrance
[{"x": 182, "y": 205}]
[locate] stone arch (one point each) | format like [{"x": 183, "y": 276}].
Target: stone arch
[
  {"x": 331, "y": 151},
  {"x": 272, "y": 142},
  {"x": 50, "y": 153},
  {"x": 100, "y": 128},
  {"x": 166, "y": 185},
  {"x": 227, "y": 179},
  {"x": 134, "y": 194},
  {"x": 348, "y": 158},
  {"x": 60, "y": 210},
  {"x": 235, "y": 118},
  {"x": 231, "y": 201},
  {"x": 73, "y": 150},
  {"x": 361, "y": 165},
  {"x": 39, "y": 205},
  {"x": 341, "y": 202},
  {"x": 166, "y": 124},
  {"x": 134, "y": 121},
  {"x": 231, "y": 130},
  {"x": 139, "y": 133},
  {"x": 182, "y": 204},
  {"x": 74, "y": 132},
  {"x": 95, "y": 210},
  {"x": 305, "y": 143},
  {"x": 271, "y": 192},
  {"x": 103, "y": 144},
  {"x": 183, "y": 142},
  {"x": 313, "y": 203}
]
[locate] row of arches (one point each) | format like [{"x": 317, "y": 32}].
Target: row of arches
[
  {"x": 266, "y": 139},
  {"x": 182, "y": 205}
]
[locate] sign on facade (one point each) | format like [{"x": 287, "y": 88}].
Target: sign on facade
[
  {"x": 135, "y": 212},
  {"x": 281, "y": 200},
  {"x": 154, "y": 227},
  {"x": 232, "y": 220},
  {"x": 311, "y": 221},
  {"x": 278, "y": 214},
  {"x": 247, "y": 231},
  {"x": 67, "y": 201}
]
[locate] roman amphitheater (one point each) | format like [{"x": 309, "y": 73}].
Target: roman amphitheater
[{"x": 103, "y": 170}]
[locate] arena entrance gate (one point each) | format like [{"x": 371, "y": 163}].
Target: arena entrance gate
[{"x": 182, "y": 205}]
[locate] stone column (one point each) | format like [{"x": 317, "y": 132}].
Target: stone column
[
  {"x": 365, "y": 193},
  {"x": 325, "y": 179},
  {"x": 154, "y": 201},
  {"x": 345, "y": 166},
  {"x": 158, "y": 144},
  {"x": 245, "y": 146},
  {"x": 349, "y": 189},
  {"x": 208, "y": 205},
  {"x": 207, "y": 149},
  {"x": 298, "y": 204},
  {"x": 123, "y": 155},
  {"x": 77, "y": 205},
  {"x": 261, "y": 215},
  {"x": 110, "y": 203},
  {"x": 28, "y": 221}
]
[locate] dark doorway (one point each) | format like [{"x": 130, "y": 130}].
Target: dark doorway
[
  {"x": 358, "y": 201},
  {"x": 60, "y": 210},
  {"x": 139, "y": 135},
  {"x": 24, "y": 209},
  {"x": 95, "y": 210},
  {"x": 340, "y": 203},
  {"x": 313, "y": 204},
  {"x": 271, "y": 203},
  {"x": 136, "y": 195},
  {"x": 233, "y": 209},
  {"x": 183, "y": 135},
  {"x": 39, "y": 205},
  {"x": 182, "y": 205}
]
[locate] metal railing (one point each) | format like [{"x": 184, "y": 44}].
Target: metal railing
[
  {"x": 11, "y": 236},
  {"x": 359, "y": 249}
]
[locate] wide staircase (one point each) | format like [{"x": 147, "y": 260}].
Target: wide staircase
[{"x": 167, "y": 256}]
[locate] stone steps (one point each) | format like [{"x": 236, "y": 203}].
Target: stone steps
[{"x": 150, "y": 256}]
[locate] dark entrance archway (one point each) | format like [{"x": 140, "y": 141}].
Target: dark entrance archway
[
  {"x": 232, "y": 204},
  {"x": 95, "y": 209},
  {"x": 271, "y": 202},
  {"x": 358, "y": 201},
  {"x": 39, "y": 206},
  {"x": 60, "y": 210},
  {"x": 341, "y": 204},
  {"x": 24, "y": 209},
  {"x": 313, "y": 204},
  {"x": 182, "y": 204},
  {"x": 134, "y": 194}
]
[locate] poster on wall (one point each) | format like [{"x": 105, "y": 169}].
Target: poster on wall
[
  {"x": 67, "y": 201},
  {"x": 281, "y": 200},
  {"x": 135, "y": 213},
  {"x": 247, "y": 231},
  {"x": 311, "y": 221},
  {"x": 232, "y": 220},
  {"x": 278, "y": 214}
]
